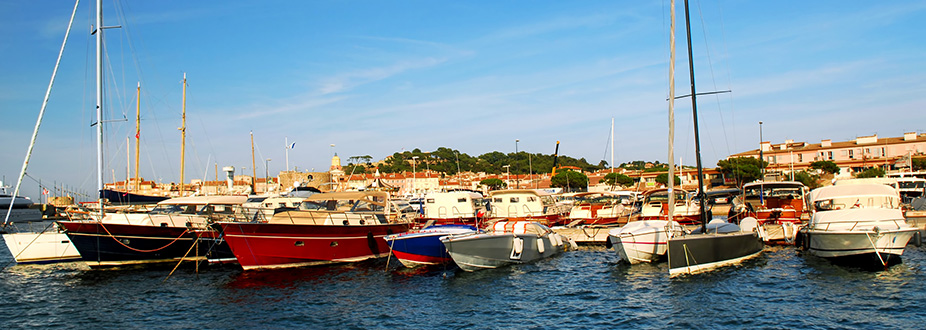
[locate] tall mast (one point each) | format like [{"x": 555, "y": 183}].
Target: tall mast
[
  {"x": 128, "y": 166},
  {"x": 137, "y": 132},
  {"x": 694, "y": 113},
  {"x": 253, "y": 167},
  {"x": 99, "y": 103},
  {"x": 183, "y": 136},
  {"x": 612, "y": 144},
  {"x": 671, "y": 174}
]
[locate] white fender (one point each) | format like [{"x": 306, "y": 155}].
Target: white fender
[
  {"x": 517, "y": 246},
  {"x": 787, "y": 230},
  {"x": 557, "y": 240},
  {"x": 540, "y": 245}
]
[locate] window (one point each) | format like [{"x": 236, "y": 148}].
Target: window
[
  {"x": 829, "y": 155},
  {"x": 496, "y": 200},
  {"x": 851, "y": 154},
  {"x": 461, "y": 200},
  {"x": 513, "y": 200},
  {"x": 800, "y": 158},
  {"x": 430, "y": 201}
]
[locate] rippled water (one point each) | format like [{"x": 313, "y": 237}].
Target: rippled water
[{"x": 587, "y": 288}]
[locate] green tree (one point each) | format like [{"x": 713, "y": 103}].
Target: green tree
[
  {"x": 569, "y": 179},
  {"x": 614, "y": 179},
  {"x": 493, "y": 183},
  {"x": 742, "y": 169},
  {"x": 919, "y": 164},
  {"x": 809, "y": 180},
  {"x": 354, "y": 169},
  {"x": 825, "y": 166},
  {"x": 664, "y": 179},
  {"x": 874, "y": 172}
]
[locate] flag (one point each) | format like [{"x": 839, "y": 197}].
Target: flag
[
  {"x": 292, "y": 145},
  {"x": 44, "y": 191},
  {"x": 137, "y": 134}
]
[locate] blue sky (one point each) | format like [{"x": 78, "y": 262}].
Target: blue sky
[{"x": 376, "y": 77}]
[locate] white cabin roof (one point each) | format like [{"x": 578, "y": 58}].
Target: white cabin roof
[
  {"x": 205, "y": 200},
  {"x": 853, "y": 191},
  {"x": 519, "y": 192}
]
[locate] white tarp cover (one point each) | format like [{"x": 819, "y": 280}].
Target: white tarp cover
[
  {"x": 858, "y": 215},
  {"x": 853, "y": 191}
]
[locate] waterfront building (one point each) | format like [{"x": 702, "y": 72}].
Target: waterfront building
[{"x": 853, "y": 156}]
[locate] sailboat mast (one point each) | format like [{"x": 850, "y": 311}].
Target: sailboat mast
[
  {"x": 612, "y": 144},
  {"x": 99, "y": 103},
  {"x": 137, "y": 132},
  {"x": 694, "y": 113},
  {"x": 671, "y": 174},
  {"x": 183, "y": 136},
  {"x": 128, "y": 166},
  {"x": 253, "y": 167}
]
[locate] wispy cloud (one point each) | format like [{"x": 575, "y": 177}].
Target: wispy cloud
[{"x": 346, "y": 81}]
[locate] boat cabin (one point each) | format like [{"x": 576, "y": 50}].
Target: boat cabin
[
  {"x": 454, "y": 204},
  {"x": 520, "y": 203}
]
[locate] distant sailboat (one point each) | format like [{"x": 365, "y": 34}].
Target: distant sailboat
[{"x": 716, "y": 244}]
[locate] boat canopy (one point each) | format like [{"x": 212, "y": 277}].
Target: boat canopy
[
  {"x": 519, "y": 227},
  {"x": 774, "y": 185},
  {"x": 348, "y": 195},
  {"x": 519, "y": 191},
  {"x": 205, "y": 200}
]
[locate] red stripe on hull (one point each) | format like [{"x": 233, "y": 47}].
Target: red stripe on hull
[{"x": 262, "y": 245}]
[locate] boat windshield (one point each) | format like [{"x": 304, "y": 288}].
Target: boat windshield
[
  {"x": 781, "y": 192},
  {"x": 664, "y": 197},
  {"x": 915, "y": 185},
  {"x": 177, "y": 209}
]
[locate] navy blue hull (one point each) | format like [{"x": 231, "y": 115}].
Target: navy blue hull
[
  {"x": 108, "y": 245},
  {"x": 126, "y": 198}
]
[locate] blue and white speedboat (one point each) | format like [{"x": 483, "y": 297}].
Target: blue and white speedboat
[{"x": 423, "y": 246}]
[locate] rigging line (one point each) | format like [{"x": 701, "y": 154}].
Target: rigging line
[
  {"x": 714, "y": 82},
  {"x": 607, "y": 144},
  {"x": 38, "y": 123}
]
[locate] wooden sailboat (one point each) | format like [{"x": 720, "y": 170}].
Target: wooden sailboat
[
  {"x": 167, "y": 234},
  {"x": 132, "y": 196},
  {"x": 716, "y": 244}
]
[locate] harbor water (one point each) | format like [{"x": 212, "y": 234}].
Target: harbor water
[{"x": 585, "y": 288}]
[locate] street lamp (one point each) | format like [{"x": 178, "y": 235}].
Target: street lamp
[
  {"x": 267, "y": 174},
  {"x": 414, "y": 174},
  {"x": 516, "y": 179}
]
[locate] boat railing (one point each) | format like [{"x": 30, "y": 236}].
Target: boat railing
[{"x": 325, "y": 217}]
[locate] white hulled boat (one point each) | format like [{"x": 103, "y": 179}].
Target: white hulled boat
[
  {"x": 857, "y": 225},
  {"x": 643, "y": 241}
]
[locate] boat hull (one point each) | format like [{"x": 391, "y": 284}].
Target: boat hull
[
  {"x": 112, "y": 245},
  {"x": 268, "y": 245},
  {"x": 488, "y": 251},
  {"x": 127, "y": 198},
  {"x": 41, "y": 247},
  {"x": 423, "y": 247},
  {"x": 696, "y": 253},
  {"x": 640, "y": 241},
  {"x": 859, "y": 248}
]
